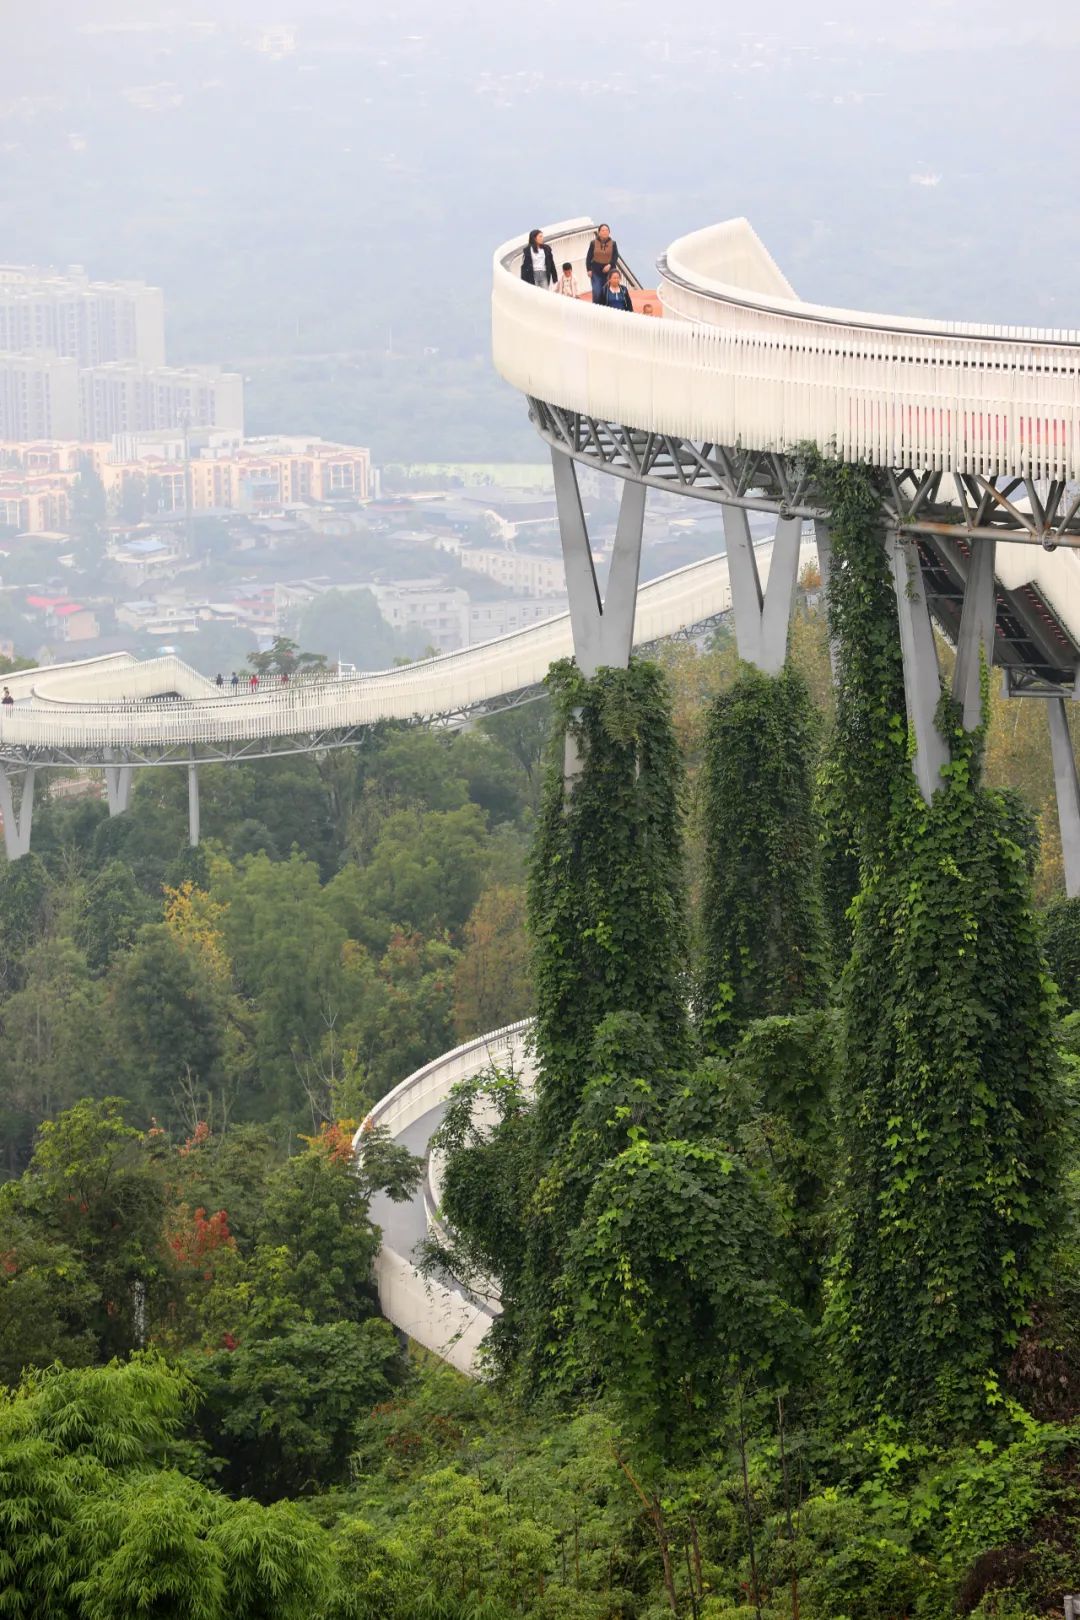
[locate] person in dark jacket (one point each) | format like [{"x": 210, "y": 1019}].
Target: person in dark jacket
[
  {"x": 601, "y": 259},
  {"x": 538, "y": 262},
  {"x": 616, "y": 296}
]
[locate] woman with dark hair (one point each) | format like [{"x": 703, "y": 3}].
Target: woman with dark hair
[
  {"x": 601, "y": 259},
  {"x": 538, "y": 262}
]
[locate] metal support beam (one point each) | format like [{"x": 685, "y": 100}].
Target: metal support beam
[
  {"x": 16, "y": 823},
  {"x": 976, "y": 639},
  {"x": 193, "y": 803},
  {"x": 762, "y": 617},
  {"x": 922, "y": 677},
  {"x": 118, "y": 779},
  {"x": 603, "y": 631},
  {"x": 1067, "y": 793}
]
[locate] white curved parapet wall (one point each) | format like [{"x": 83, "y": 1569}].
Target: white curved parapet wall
[
  {"x": 75, "y": 707},
  {"x": 738, "y": 359},
  {"x": 442, "y": 1319}
]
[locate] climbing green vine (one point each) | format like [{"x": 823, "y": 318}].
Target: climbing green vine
[
  {"x": 763, "y": 930},
  {"x": 606, "y": 902},
  {"x": 950, "y": 1105}
]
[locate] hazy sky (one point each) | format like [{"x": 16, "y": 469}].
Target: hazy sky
[{"x": 272, "y": 165}]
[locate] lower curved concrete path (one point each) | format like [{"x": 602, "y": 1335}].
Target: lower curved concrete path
[{"x": 437, "y": 1315}]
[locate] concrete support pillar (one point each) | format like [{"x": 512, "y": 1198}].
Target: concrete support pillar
[
  {"x": 823, "y": 538},
  {"x": 118, "y": 787},
  {"x": 603, "y": 630},
  {"x": 922, "y": 677},
  {"x": 762, "y": 617},
  {"x": 976, "y": 638},
  {"x": 193, "y": 803},
  {"x": 16, "y": 822},
  {"x": 1067, "y": 793}
]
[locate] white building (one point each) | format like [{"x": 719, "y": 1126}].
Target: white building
[
  {"x": 522, "y": 572},
  {"x": 441, "y": 612}
]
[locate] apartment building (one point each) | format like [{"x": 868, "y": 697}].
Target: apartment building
[
  {"x": 522, "y": 572},
  {"x": 90, "y": 322},
  {"x": 36, "y": 503},
  {"x": 121, "y": 397},
  {"x": 248, "y": 474},
  {"x": 39, "y": 397}
]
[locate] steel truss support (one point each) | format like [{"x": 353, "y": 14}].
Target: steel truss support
[
  {"x": 1067, "y": 792},
  {"x": 762, "y": 617},
  {"x": 17, "y": 823},
  {"x": 193, "y": 803},
  {"x": 603, "y": 630},
  {"x": 967, "y": 506},
  {"x": 922, "y": 677}
]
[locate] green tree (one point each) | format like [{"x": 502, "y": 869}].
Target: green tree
[
  {"x": 491, "y": 981},
  {"x": 51, "y": 1051},
  {"x": 347, "y": 625},
  {"x": 112, "y": 911},
  {"x": 47, "y": 1298},
  {"x": 24, "y": 906},
  {"x": 97, "y": 1186},
  {"x": 167, "y": 1017},
  {"x": 282, "y": 1412}
]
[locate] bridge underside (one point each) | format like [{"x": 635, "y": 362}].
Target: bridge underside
[{"x": 958, "y": 506}]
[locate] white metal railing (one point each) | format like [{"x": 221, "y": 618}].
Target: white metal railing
[
  {"x": 440, "y": 1318},
  {"x": 443, "y": 685},
  {"x": 744, "y": 364}
]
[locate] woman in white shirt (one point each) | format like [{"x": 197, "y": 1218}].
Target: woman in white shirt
[{"x": 538, "y": 262}]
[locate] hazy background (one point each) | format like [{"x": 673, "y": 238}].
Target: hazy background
[{"x": 319, "y": 186}]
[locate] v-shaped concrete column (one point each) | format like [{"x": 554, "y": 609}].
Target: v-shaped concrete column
[
  {"x": 603, "y": 630},
  {"x": 922, "y": 675},
  {"x": 17, "y": 824},
  {"x": 975, "y": 641},
  {"x": 762, "y": 616},
  {"x": 1067, "y": 793}
]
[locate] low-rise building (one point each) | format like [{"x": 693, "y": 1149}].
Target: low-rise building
[
  {"x": 440, "y": 612},
  {"x": 490, "y": 619},
  {"x": 524, "y": 573}
]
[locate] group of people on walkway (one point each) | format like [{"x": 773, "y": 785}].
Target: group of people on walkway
[
  {"x": 601, "y": 265},
  {"x": 250, "y": 681}
]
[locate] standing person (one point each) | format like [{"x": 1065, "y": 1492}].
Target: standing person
[
  {"x": 600, "y": 261},
  {"x": 616, "y": 296},
  {"x": 567, "y": 281},
  {"x": 219, "y": 680},
  {"x": 284, "y": 681},
  {"x": 254, "y": 682},
  {"x": 235, "y": 682},
  {"x": 7, "y": 700},
  {"x": 538, "y": 262}
]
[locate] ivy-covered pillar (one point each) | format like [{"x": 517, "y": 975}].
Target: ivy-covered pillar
[{"x": 193, "y": 803}]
